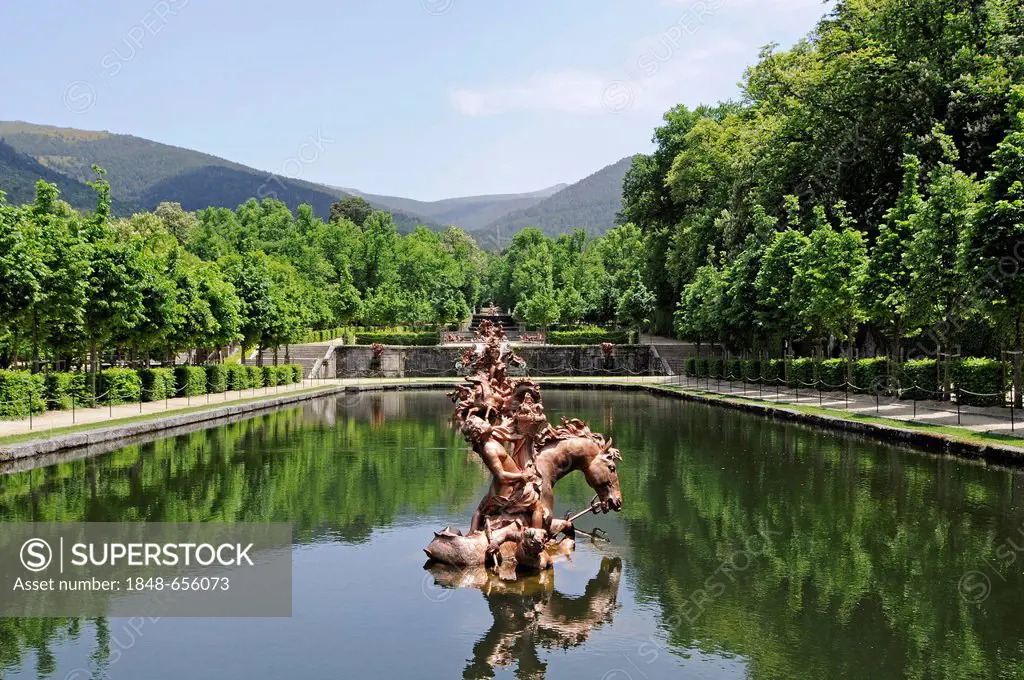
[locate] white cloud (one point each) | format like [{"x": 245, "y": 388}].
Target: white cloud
[
  {"x": 566, "y": 90},
  {"x": 654, "y": 82}
]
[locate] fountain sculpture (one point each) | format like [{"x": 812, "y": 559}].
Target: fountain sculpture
[{"x": 502, "y": 418}]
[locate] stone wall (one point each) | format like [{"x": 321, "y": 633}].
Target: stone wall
[{"x": 541, "y": 360}]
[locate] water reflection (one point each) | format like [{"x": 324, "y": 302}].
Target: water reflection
[{"x": 530, "y": 614}]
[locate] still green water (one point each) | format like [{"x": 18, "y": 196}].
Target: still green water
[{"x": 746, "y": 549}]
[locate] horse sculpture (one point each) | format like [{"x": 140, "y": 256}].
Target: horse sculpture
[{"x": 503, "y": 419}]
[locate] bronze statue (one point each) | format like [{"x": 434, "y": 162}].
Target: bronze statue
[{"x": 503, "y": 419}]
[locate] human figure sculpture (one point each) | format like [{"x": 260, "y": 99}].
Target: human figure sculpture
[{"x": 503, "y": 420}]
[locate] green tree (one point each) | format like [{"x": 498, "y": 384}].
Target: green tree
[{"x": 354, "y": 209}]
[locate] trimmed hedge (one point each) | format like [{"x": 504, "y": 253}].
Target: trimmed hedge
[
  {"x": 119, "y": 386},
  {"x": 981, "y": 377},
  {"x": 406, "y": 338},
  {"x": 772, "y": 370},
  {"x": 690, "y": 367},
  {"x": 588, "y": 336},
  {"x": 919, "y": 373},
  {"x": 190, "y": 381},
  {"x": 270, "y": 374},
  {"x": 752, "y": 371},
  {"x": 216, "y": 378},
  {"x": 832, "y": 373},
  {"x": 734, "y": 369},
  {"x": 716, "y": 368},
  {"x": 61, "y": 387},
  {"x": 238, "y": 378},
  {"x": 802, "y": 372},
  {"x": 157, "y": 383},
  {"x": 701, "y": 365},
  {"x": 20, "y": 393},
  {"x": 869, "y": 375},
  {"x": 255, "y": 376},
  {"x": 297, "y": 372}
]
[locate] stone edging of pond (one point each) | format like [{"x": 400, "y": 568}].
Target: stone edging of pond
[
  {"x": 92, "y": 442},
  {"x": 935, "y": 442}
]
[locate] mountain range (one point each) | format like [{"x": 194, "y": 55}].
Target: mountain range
[{"x": 144, "y": 173}]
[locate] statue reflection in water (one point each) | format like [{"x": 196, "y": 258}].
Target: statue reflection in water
[{"x": 530, "y": 614}]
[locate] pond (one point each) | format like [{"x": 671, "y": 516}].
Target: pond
[{"x": 746, "y": 549}]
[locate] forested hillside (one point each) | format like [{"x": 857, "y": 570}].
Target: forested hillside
[
  {"x": 144, "y": 173},
  {"x": 469, "y": 212},
  {"x": 590, "y": 204},
  {"x": 19, "y": 174}
]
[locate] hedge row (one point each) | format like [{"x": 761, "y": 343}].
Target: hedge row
[
  {"x": 344, "y": 335},
  {"x": 22, "y": 391},
  {"x": 407, "y": 338},
  {"x": 591, "y": 335},
  {"x": 980, "y": 382}
]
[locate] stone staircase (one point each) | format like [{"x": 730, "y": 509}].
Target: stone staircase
[
  {"x": 676, "y": 354},
  {"x": 305, "y": 355}
]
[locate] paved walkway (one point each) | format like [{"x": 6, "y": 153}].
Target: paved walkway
[
  {"x": 995, "y": 420},
  {"x": 80, "y": 416}
]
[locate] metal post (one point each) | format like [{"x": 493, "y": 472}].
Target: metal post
[
  {"x": 876, "y": 400},
  {"x": 1011, "y": 415},
  {"x": 72, "y": 408},
  {"x": 846, "y": 395},
  {"x": 958, "y": 405},
  {"x": 819, "y": 394}
]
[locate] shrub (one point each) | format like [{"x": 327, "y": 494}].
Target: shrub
[
  {"x": 297, "y": 373},
  {"x": 238, "y": 378},
  {"x": 752, "y": 371},
  {"x": 716, "y": 368},
  {"x": 269, "y": 378},
  {"x": 216, "y": 378},
  {"x": 734, "y": 369},
  {"x": 690, "y": 367},
  {"x": 189, "y": 381},
  {"x": 118, "y": 386},
  {"x": 59, "y": 389},
  {"x": 255, "y": 374},
  {"x": 406, "y": 338},
  {"x": 702, "y": 367},
  {"x": 772, "y": 370},
  {"x": 869, "y": 375},
  {"x": 588, "y": 335},
  {"x": 832, "y": 372},
  {"x": 918, "y": 380},
  {"x": 157, "y": 383},
  {"x": 802, "y": 372},
  {"x": 979, "y": 382},
  {"x": 21, "y": 392},
  {"x": 284, "y": 374}
]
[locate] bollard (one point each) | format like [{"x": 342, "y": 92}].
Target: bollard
[
  {"x": 958, "y": 405},
  {"x": 846, "y": 396}
]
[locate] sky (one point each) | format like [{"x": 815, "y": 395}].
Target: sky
[{"x": 426, "y": 99}]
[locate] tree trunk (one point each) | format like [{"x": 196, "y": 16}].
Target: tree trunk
[
  {"x": 92, "y": 366},
  {"x": 35, "y": 341},
  {"x": 1018, "y": 398}
]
